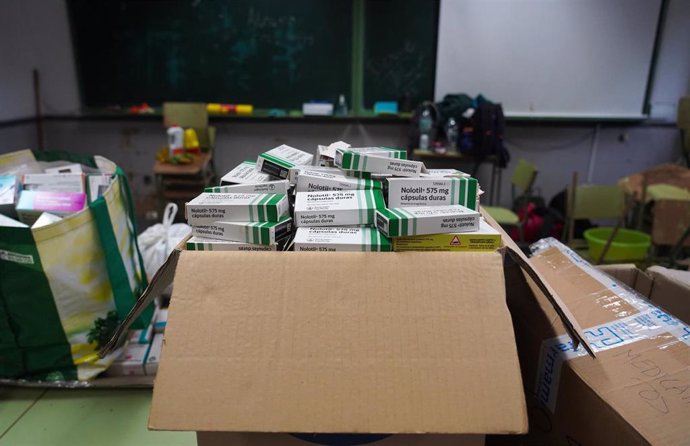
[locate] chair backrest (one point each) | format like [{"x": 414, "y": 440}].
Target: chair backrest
[
  {"x": 598, "y": 202},
  {"x": 524, "y": 175}
]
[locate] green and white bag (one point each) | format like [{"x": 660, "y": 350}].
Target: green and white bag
[{"x": 65, "y": 286}]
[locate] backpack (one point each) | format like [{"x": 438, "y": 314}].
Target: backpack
[{"x": 489, "y": 128}]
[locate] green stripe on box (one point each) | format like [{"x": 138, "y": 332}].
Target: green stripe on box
[
  {"x": 272, "y": 207},
  {"x": 369, "y": 199},
  {"x": 392, "y": 219},
  {"x": 260, "y": 210},
  {"x": 276, "y": 160},
  {"x": 191, "y": 246},
  {"x": 355, "y": 161},
  {"x": 251, "y": 207},
  {"x": 471, "y": 194},
  {"x": 255, "y": 235},
  {"x": 265, "y": 234},
  {"x": 403, "y": 221},
  {"x": 376, "y": 184},
  {"x": 365, "y": 159},
  {"x": 452, "y": 191},
  {"x": 462, "y": 195},
  {"x": 374, "y": 242},
  {"x": 346, "y": 160},
  {"x": 360, "y": 211},
  {"x": 378, "y": 199},
  {"x": 412, "y": 218},
  {"x": 385, "y": 243}
]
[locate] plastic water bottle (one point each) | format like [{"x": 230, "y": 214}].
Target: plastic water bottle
[
  {"x": 341, "y": 108},
  {"x": 452, "y": 134},
  {"x": 175, "y": 140},
  {"x": 425, "y": 124}
]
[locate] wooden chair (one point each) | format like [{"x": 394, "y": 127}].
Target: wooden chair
[{"x": 521, "y": 184}]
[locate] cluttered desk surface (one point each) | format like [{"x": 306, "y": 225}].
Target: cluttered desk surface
[{"x": 107, "y": 417}]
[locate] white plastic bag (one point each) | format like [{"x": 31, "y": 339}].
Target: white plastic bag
[{"x": 158, "y": 241}]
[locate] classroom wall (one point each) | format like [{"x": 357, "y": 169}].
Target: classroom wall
[
  {"x": 35, "y": 34},
  {"x": 45, "y": 42}
]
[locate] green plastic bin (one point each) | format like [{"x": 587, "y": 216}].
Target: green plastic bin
[{"x": 627, "y": 246}]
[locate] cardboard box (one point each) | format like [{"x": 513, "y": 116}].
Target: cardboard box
[
  {"x": 445, "y": 173},
  {"x": 410, "y": 346},
  {"x": 18, "y": 163},
  {"x": 8, "y": 222},
  {"x": 96, "y": 185},
  {"x": 54, "y": 182},
  {"x": 326, "y": 154},
  {"x": 397, "y": 222},
  {"x": 337, "y": 208},
  {"x": 260, "y": 233},
  {"x": 268, "y": 187},
  {"x": 377, "y": 163},
  {"x": 161, "y": 320},
  {"x": 209, "y": 208},
  {"x": 294, "y": 172},
  {"x": 667, "y": 288},
  {"x": 46, "y": 219},
  {"x": 207, "y": 244},
  {"x": 131, "y": 362},
  {"x": 153, "y": 356},
  {"x": 277, "y": 162},
  {"x": 245, "y": 173},
  {"x": 264, "y": 439},
  {"x": 332, "y": 358},
  {"x": 8, "y": 194},
  {"x": 484, "y": 240},
  {"x": 635, "y": 392},
  {"x": 67, "y": 168},
  {"x": 318, "y": 181},
  {"x": 432, "y": 191},
  {"x": 141, "y": 335},
  {"x": 332, "y": 239},
  {"x": 33, "y": 203},
  {"x": 385, "y": 152}
]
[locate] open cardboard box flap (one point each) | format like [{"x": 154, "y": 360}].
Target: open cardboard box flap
[
  {"x": 365, "y": 342},
  {"x": 385, "y": 343}
]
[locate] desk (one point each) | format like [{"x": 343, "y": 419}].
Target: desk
[
  {"x": 69, "y": 417},
  {"x": 452, "y": 159}
]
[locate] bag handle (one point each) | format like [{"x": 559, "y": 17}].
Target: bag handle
[{"x": 124, "y": 296}]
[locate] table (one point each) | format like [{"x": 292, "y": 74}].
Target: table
[
  {"x": 70, "y": 417},
  {"x": 452, "y": 159}
]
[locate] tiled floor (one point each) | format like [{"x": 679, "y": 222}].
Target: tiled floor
[{"x": 36, "y": 417}]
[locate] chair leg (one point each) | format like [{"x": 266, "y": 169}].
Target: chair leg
[{"x": 608, "y": 245}]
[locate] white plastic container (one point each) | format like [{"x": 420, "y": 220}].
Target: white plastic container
[{"x": 175, "y": 140}]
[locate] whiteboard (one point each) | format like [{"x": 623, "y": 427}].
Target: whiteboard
[{"x": 549, "y": 58}]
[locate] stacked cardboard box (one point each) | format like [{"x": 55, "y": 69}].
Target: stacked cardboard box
[
  {"x": 340, "y": 204},
  {"x": 38, "y": 196},
  {"x": 246, "y": 219}
]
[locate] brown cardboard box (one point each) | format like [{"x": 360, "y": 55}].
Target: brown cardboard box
[
  {"x": 402, "y": 343},
  {"x": 667, "y": 288},
  {"x": 636, "y": 391},
  {"x": 390, "y": 343}
]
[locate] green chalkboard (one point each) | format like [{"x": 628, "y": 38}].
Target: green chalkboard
[
  {"x": 267, "y": 53},
  {"x": 400, "y": 50}
]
